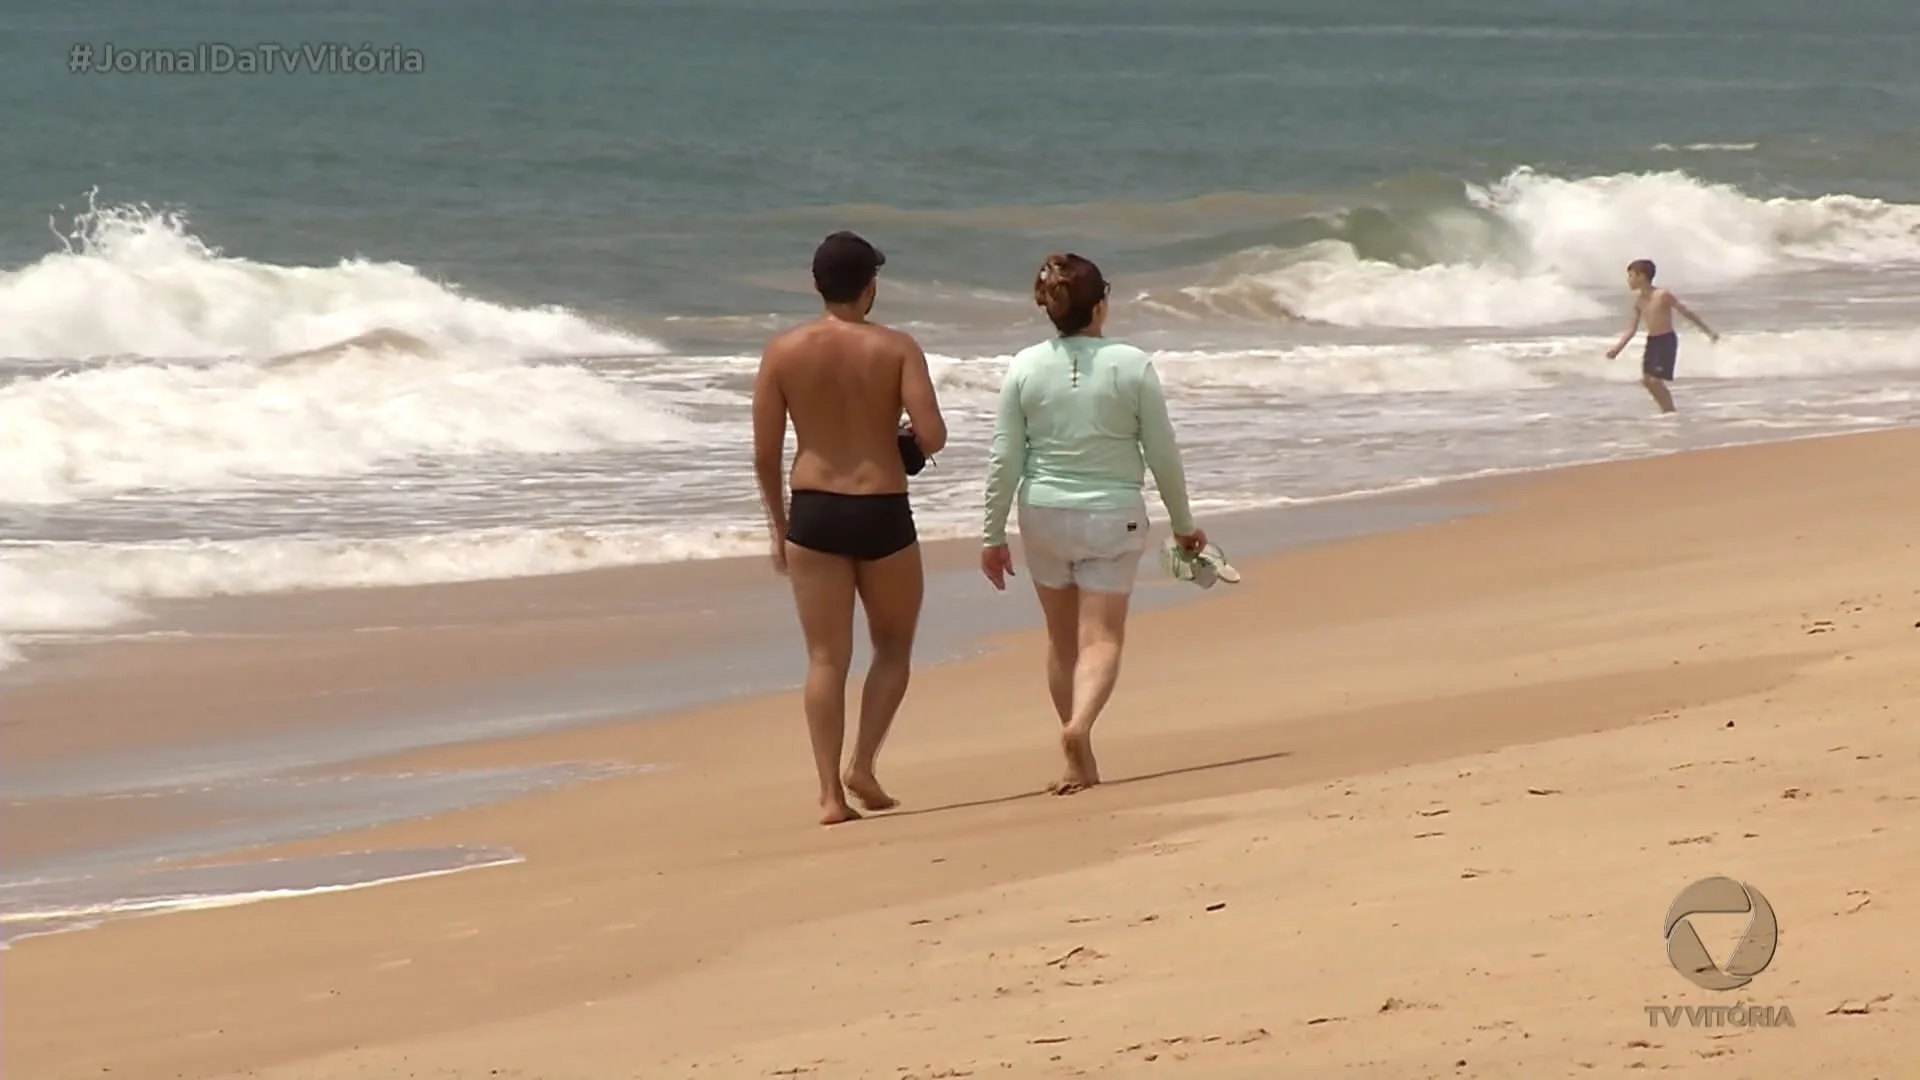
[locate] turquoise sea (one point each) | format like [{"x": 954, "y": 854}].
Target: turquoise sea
[{"x": 1372, "y": 244}]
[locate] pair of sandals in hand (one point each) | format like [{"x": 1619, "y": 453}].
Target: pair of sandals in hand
[{"x": 1205, "y": 567}]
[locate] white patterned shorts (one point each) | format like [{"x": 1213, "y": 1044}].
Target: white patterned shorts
[{"x": 1097, "y": 550}]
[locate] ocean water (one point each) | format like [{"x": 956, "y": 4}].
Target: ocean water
[{"x": 1372, "y": 245}]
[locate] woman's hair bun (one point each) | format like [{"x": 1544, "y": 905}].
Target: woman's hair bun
[
  {"x": 1053, "y": 290},
  {"x": 1069, "y": 288}
]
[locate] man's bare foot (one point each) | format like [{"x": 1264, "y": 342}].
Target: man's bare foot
[
  {"x": 865, "y": 788},
  {"x": 838, "y": 814}
]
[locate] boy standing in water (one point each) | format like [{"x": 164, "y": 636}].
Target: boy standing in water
[{"x": 1657, "y": 306}]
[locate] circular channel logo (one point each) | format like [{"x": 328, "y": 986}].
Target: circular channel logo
[{"x": 1721, "y": 896}]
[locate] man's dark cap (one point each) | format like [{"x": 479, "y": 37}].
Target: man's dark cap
[{"x": 846, "y": 257}]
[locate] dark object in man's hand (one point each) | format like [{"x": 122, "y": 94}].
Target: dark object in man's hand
[{"x": 911, "y": 456}]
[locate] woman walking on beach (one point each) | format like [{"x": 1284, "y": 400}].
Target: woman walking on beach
[{"x": 1081, "y": 419}]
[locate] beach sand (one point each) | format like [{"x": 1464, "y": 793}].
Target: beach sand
[{"x": 1408, "y": 805}]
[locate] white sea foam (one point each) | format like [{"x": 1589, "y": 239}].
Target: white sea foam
[
  {"x": 1534, "y": 250},
  {"x": 196, "y": 568},
  {"x": 1586, "y": 231},
  {"x": 132, "y": 281},
  {"x": 39, "y": 921},
  {"x": 195, "y": 400},
  {"x": 56, "y": 590},
  {"x": 145, "y": 425},
  {"x": 1708, "y": 147},
  {"x": 1489, "y": 365},
  {"x": 54, "y": 599}
]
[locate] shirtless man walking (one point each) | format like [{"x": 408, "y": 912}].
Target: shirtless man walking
[
  {"x": 1657, "y": 307},
  {"x": 849, "y": 530}
]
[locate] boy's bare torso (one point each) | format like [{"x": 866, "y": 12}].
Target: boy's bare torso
[
  {"x": 842, "y": 382},
  {"x": 1656, "y": 311}
]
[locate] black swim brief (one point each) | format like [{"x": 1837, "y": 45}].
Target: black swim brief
[
  {"x": 862, "y": 527},
  {"x": 1662, "y": 350}
]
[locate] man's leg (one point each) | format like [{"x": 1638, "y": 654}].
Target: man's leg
[
  {"x": 891, "y": 590},
  {"x": 1656, "y": 367},
  {"x": 1061, "y": 606},
  {"x": 1658, "y": 388},
  {"x": 823, "y": 589}
]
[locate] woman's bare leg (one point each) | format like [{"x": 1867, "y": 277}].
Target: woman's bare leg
[
  {"x": 1096, "y": 670},
  {"x": 1062, "y": 610}
]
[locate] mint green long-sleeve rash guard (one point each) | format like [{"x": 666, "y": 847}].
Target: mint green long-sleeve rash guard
[{"x": 1081, "y": 420}]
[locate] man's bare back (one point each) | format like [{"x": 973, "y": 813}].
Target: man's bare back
[{"x": 846, "y": 385}]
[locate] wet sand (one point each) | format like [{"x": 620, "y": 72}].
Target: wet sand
[
  {"x": 165, "y": 761},
  {"x": 1396, "y": 803}
]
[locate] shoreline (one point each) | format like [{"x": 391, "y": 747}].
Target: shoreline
[
  {"x": 153, "y": 617},
  {"x": 1496, "y": 633},
  {"x": 663, "y": 605}
]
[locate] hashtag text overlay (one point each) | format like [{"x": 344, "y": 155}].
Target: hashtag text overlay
[{"x": 265, "y": 58}]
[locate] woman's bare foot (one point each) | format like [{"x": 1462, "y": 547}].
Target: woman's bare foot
[
  {"x": 837, "y": 813},
  {"x": 865, "y": 788},
  {"x": 1083, "y": 771}
]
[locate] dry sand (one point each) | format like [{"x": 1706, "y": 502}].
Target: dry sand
[{"x": 1412, "y": 805}]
